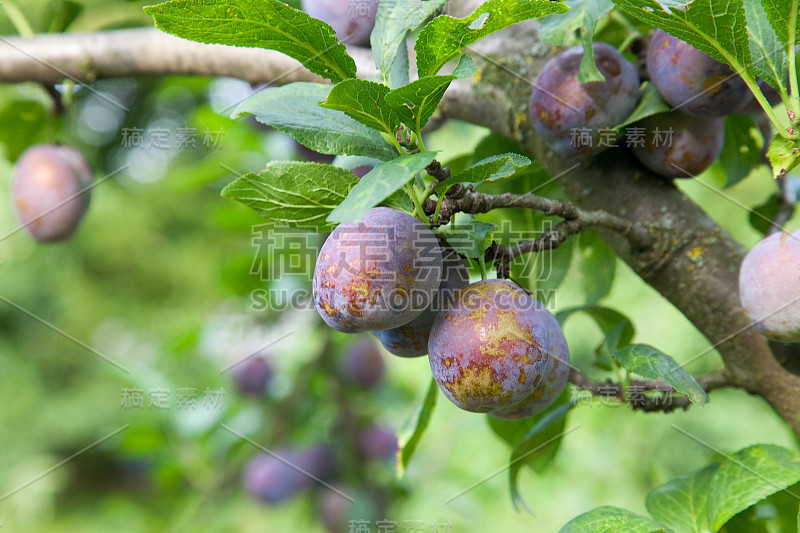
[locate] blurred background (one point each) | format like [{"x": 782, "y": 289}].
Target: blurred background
[{"x": 120, "y": 407}]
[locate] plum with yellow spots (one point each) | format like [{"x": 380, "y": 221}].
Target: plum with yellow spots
[
  {"x": 574, "y": 118},
  {"x": 50, "y": 189},
  {"x": 377, "y": 274},
  {"x": 769, "y": 286},
  {"x": 693, "y": 81},
  {"x": 676, "y": 145},
  {"x": 411, "y": 340},
  {"x": 490, "y": 349},
  {"x": 553, "y": 383}
]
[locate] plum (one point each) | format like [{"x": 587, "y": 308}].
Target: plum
[
  {"x": 490, "y": 349},
  {"x": 554, "y": 382},
  {"x": 411, "y": 340},
  {"x": 50, "y": 187},
  {"x": 364, "y": 364},
  {"x": 352, "y": 20},
  {"x": 376, "y": 442},
  {"x": 769, "y": 286},
  {"x": 676, "y": 145},
  {"x": 251, "y": 376},
  {"x": 693, "y": 81},
  {"x": 275, "y": 478},
  {"x": 377, "y": 274},
  {"x": 563, "y": 109}
]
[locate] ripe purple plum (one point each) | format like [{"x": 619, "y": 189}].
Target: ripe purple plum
[
  {"x": 376, "y": 443},
  {"x": 351, "y": 20},
  {"x": 377, "y": 274},
  {"x": 553, "y": 384},
  {"x": 693, "y": 81},
  {"x": 411, "y": 340},
  {"x": 364, "y": 364},
  {"x": 275, "y": 478},
  {"x": 490, "y": 349},
  {"x": 252, "y": 375},
  {"x": 50, "y": 189},
  {"x": 563, "y": 109},
  {"x": 676, "y": 145},
  {"x": 769, "y": 286}
]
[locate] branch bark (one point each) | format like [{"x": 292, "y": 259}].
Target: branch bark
[{"x": 694, "y": 262}]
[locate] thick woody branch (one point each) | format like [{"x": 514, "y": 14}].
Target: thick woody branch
[{"x": 639, "y": 393}]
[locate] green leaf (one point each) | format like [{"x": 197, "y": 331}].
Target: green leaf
[
  {"x": 267, "y": 24},
  {"x": 749, "y": 476},
  {"x": 364, "y": 101},
  {"x": 607, "y": 319},
  {"x": 611, "y": 519},
  {"x": 394, "y": 20},
  {"x": 471, "y": 239},
  {"x": 546, "y": 432},
  {"x": 295, "y": 109},
  {"x": 415, "y": 103},
  {"x": 401, "y": 71},
  {"x": 761, "y": 215},
  {"x": 411, "y": 433},
  {"x": 770, "y": 60},
  {"x": 650, "y": 104},
  {"x": 23, "y": 125},
  {"x": 587, "y": 71},
  {"x": 784, "y": 154},
  {"x": 466, "y": 67},
  {"x": 683, "y": 502},
  {"x": 780, "y": 14},
  {"x": 444, "y": 37},
  {"x": 560, "y": 29},
  {"x": 651, "y": 363},
  {"x": 378, "y": 184},
  {"x": 709, "y": 498},
  {"x": 598, "y": 265},
  {"x": 741, "y": 153},
  {"x": 717, "y": 27},
  {"x": 552, "y": 266},
  {"x": 490, "y": 169},
  {"x": 293, "y": 193}
]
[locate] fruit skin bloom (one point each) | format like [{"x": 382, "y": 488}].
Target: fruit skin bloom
[
  {"x": 490, "y": 349},
  {"x": 769, "y": 286},
  {"x": 377, "y": 274}
]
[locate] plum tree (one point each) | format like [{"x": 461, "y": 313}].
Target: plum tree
[
  {"x": 489, "y": 350},
  {"x": 252, "y": 375},
  {"x": 693, "y": 81},
  {"x": 553, "y": 383},
  {"x": 561, "y": 107},
  {"x": 352, "y": 20},
  {"x": 768, "y": 286},
  {"x": 376, "y": 442},
  {"x": 676, "y": 145},
  {"x": 377, "y": 274},
  {"x": 275, "y": 478},
  {"x": 411, "y": 340},
  {"x": 364, "y": 364},
  {"x": 50, "y": 191}
]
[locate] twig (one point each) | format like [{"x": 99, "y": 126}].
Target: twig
[{"x": 636, "y": 396}]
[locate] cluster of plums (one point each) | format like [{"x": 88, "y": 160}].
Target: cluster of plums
[
  {"x": 678, "y": 144},
  {"x": 492, "y": 347},
  {"x": 50, "y": 188},
  {"x": 352, "y": 20},
  {"x": 278, "y": 476}
]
